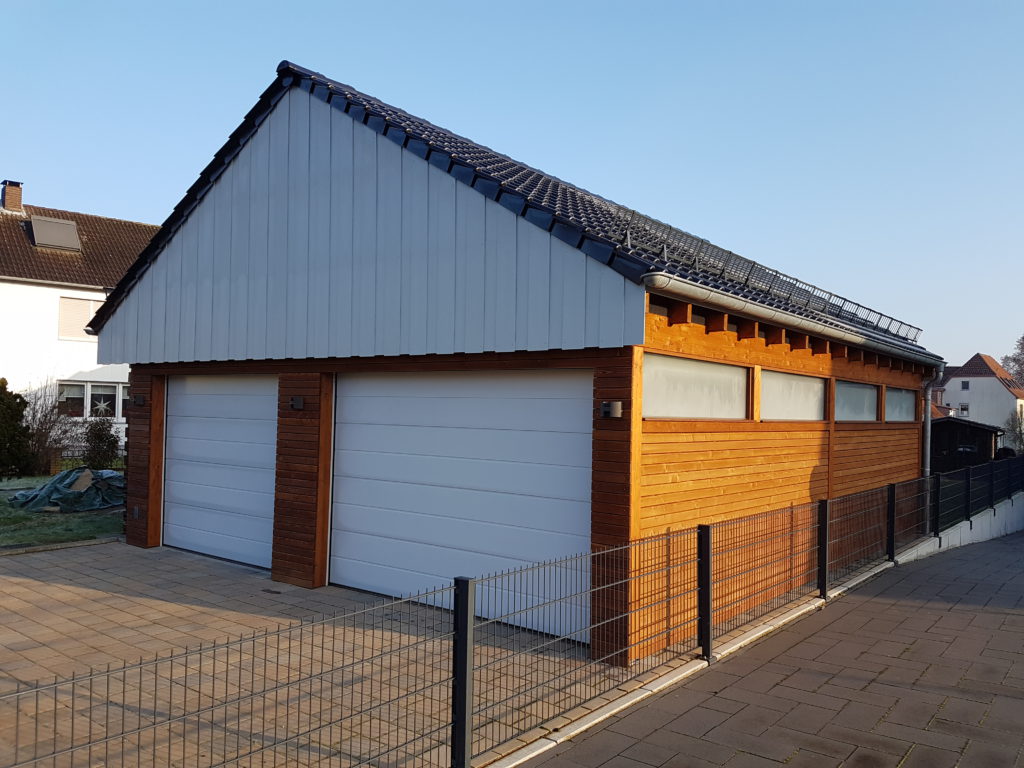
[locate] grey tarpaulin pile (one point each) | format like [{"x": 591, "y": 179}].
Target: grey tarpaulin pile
[{"x": 74, "y": 490}]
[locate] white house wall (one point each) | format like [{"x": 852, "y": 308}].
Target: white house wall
[
  {"x": 324, "y": 239},
  {"x": 988, "y": 401},
  {"x": 31, "y": 352}
]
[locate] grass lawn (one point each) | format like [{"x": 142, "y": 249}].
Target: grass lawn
[
  {"x": 19, "y": 483},
  {"x": 20, "y": 528}
]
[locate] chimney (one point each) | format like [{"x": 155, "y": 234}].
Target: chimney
[{"x": 10, "y": 196}]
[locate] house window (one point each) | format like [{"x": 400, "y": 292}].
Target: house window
[
  {"x": 787, "y": 397},
  {"x": 71, "y": 399},
  {"x": 73, "y": 316},
  {"x": 103, "y": 400},
  {"x": 856, "y": 402},
  {"x": 679, "y": 388},
  {"x": 965, "y": 384},
  {"x": 965, "y": 409},
  {"x": 124, "y": 401},
  {"x": 900, "y": 404}
]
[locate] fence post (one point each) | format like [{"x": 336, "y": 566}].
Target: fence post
[
  {"x": 936, "y": 505},
  {"x": 967, "y": 493},
  {"x": 992, "y": 484},
  {"x": 890, "y": 522},
  {"x": 462, "y": 672},
  {"x": 823, "y": 507},
  {"x": 704, "y": 603}
]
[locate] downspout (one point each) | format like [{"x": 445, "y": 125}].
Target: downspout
[{"x": 926, "y": 433}]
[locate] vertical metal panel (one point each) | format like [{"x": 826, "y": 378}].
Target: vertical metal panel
[
  {"x": 259, "y": 210},
  {"x": 277, "y": 228},
  {"x": 364, "y": 239},
  {"x": 441, "y": 250},
  {"x": 241, "y": 204},
  {"x": 204, "y": 279},
  {"x": 387, "y": 329},
  {"x": 296, "y": 312},
  {"x": 573, "y": 304},
  {"x": 221, "y": 259},
  {"x": 157, "y": 286},
  {"x": 189, "y": 236},
  {"x": 172, "y": 315},
  {"x": 318, "y": 275},
  {"x": 470, "y": 277},
  {"x": 414, "y": 304},
  {"x": 341, "y": 263},
  {"x": 503, "y": 261},
  {"x": 323, "y": 238}
]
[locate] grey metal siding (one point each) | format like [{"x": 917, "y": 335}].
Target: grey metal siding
[{"x": 325, "y": 239}]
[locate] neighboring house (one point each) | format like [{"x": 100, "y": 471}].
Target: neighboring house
[
  {"x": 983, "y": 391},
  {"x": 369, "y": 352},
  {"x": 958, "y": 443},
  {"x": 55, "y": 269}
]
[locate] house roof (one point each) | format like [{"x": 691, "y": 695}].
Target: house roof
[
  {"x": 967, "y": 422},
  {"x": 109, "y": 247},
  {"x": 985, "y": 366},
  {"x": 940, "y": 411},
  {"x": 625, "y": 240}
]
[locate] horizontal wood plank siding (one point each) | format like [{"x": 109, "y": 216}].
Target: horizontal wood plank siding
[
  {"x": 302, "y": 480},
  {"x": 144, "y": 469},
  {"x": 325, "y": 239},
  {"x": 869, "y": 456}
]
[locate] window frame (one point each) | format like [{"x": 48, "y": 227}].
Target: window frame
[
  {"x": 824, "y": 404},
  {"x": 121, "y": 395},
  {"x": 835, "y": 402}
]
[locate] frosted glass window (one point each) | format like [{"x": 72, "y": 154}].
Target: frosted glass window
[
  {"x": 856, "y": 402},
  {"x": 677, "y": 388},
  {"x": 787, "y": 397},
  {"x": 900, "y": 404}
]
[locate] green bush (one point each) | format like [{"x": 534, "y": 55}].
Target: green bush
[
  {"x": 101, "y": 444},
  {"x": 16, "y": 458}
]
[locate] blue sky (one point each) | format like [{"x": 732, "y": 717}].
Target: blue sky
[{"x": 872, "y": 148}]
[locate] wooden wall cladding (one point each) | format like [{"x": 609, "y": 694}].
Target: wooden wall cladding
[
  {"x": 696, "y": 341},
  {"x": 144, "y": 465},
  {"x": 700, "y": 472},
  {"x": 302, "y": 479},
  {"x": 866, "y": 456}
]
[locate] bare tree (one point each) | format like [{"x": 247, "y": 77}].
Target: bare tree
[
  {"x": 51, "y": 430},
  {"x": 1014, "y": 431},
  {"x": 1014, "y": 362}
]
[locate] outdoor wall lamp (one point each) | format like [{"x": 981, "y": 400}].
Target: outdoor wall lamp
[
  {"x": 296, "y": 403},
  {"x": 611, "y": 409},
  {"x": 138, "y": 400}
]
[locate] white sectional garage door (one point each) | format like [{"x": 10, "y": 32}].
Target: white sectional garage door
[
  {"x": 219, "y": 466},
  {"x": 458, "y": 474}
]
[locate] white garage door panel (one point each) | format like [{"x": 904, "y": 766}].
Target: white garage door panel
[
  {"x": 491, "y": 538},
  {"x": 446, "y": 474},
  {"x": 542, "y": 447},
  {"x": 242, "y": 430},
  {"x": 557, "y": 415},
  {"x": 498, "y": 476},
  {"x": 560, "y": 515},
  {"x": 222, "y": 408},
  {"x": 219, "y": 469},
  {"x": 223, "y": 499}
]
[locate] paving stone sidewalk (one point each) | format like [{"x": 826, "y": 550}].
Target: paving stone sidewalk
[{"x": 921, "y": 668}]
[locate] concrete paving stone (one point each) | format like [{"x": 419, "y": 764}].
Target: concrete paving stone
[
  {"x": 912, "y": 712},
  {"x": 768, "y": 745},
  {"x": 649, "y": 754},
  {"x": 697, "y": 722},
  {"x": 758, "y": 699},
  {"x": 721, "y": 704},
  {"x": 806, "y": 697},
  {"x": 689, "y": 748},
  {"x": 923, "y": 756},
  {"x": 753, "y": 720},
  {"x": 948, "y": 742},
  {"x": 810, "y": 719},
  {"x": 639, "y": 723},
  {"x": 869, "y": 758},
  {"x": 980, "y": 754},
  {"x": 746, "y": 760},
  {"x": 978, "y": 733},
  {"x": 807, "y": 679},
  {"x": 868, "y": 739},
  {"x": 859, "y": 716},
  {"x": 759, "y": 681}
]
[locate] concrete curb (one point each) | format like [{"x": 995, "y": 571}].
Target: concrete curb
[{"x": 60, "y": 545}]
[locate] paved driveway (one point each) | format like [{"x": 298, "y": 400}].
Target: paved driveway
[
  {"x": 65, "y": 610},
  {"x": 921, "y": 668}
]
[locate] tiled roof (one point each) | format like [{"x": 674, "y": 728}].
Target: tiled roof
[
  {"x": 625, "y": 240},
  {"x": 985, "y": 366},
  {"x": 109, "y": 247}
]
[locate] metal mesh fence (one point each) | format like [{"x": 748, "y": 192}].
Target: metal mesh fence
[
  {"x": 952, "y": 492},
  {"x": 368, "y": 686},
  {"x": 857, "y": 532},
  {"x": 762, "y": 563},
  {"x": 550, "y": 637},
  {"x": 913, "y": 501}
]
